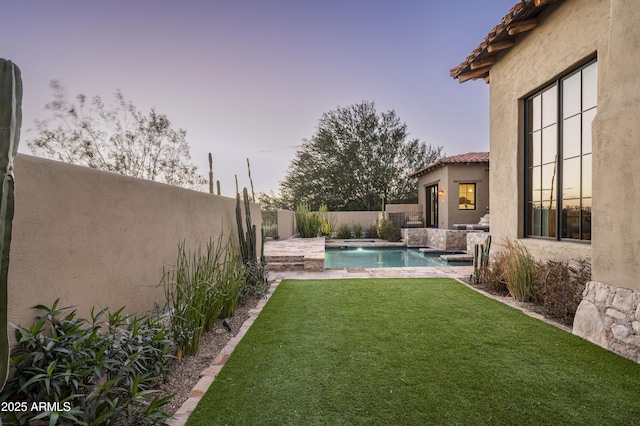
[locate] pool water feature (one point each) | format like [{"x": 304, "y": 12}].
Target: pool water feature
[{"x": 381, "y": 257}]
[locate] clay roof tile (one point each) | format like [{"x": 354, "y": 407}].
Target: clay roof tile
[{"x": 468, "y": 158}]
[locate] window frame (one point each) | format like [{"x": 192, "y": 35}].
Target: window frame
[
  {"x": 475, "y": 196},
  {"x": 557, "y": 192}
]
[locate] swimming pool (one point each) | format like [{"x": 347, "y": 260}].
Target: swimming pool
[{"x": 380, "y": 257}]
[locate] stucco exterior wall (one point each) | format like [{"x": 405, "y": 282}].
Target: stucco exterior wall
[
  {"x": 286, "y": 224},
  {"x": 94, "y": 238},
  {"x": 438, "y": 176},
  {"x": 616, "y": 139},
  {"x": 569, "y": 33},
  {"x": 467, "y": 173},
  {"x": 448, "y": 178}
]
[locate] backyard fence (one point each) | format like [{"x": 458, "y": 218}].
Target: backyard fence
[{"x": 94, "y": 238}]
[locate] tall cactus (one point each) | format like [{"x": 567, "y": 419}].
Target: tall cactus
[
  {"x": 248, "y": 241},
  {"x": 10, "y": 122},
  {"x": 211, "y": 174},
  {"x": 481, "y": 258},
  {"x": 253, "y": 194}
]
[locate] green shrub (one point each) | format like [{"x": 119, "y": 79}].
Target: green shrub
[
  {"x": 357, "y": 230},
  {"x": 344, "y": 231},
  {"x": 520, "y": 271},
  {"x": 202, "y": 288},
  {"x": 561, "y": 287},
  {"x": 387, "y": 230},
  {"x": 371, "y": 231},
  {"x": 309, "y": 223},
  {"x": 327, "y": 221},
  {"x": 256, "y": 280},
  {"x": 104, "y": 369},
  {"x": 493, "y": 275}
]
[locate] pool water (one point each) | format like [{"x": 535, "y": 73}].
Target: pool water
[{"x": 377, "y": 257}]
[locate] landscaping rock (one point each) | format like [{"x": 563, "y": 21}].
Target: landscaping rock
[{"x": 610, "y": 317}]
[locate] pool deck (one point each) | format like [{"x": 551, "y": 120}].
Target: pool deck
[{"x": 303, "y": 258}]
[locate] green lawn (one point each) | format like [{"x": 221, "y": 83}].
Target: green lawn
[{"x": 413, "y": 351}]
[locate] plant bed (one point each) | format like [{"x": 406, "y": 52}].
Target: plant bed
[{"x": 184, "y": 374}]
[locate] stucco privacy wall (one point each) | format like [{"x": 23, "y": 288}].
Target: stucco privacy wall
[
  {"x": 364, "y": 218},
  {"x": 286, "y": 224},
  {"x": 94, "y": 238},
  {"x": 569, "y": 33}
]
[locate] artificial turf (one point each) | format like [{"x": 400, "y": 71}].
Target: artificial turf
[{"x": 414, "y": 352}]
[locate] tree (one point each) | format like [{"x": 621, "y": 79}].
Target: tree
[
  {"x": 356, "y": 160},
  {"x": 118, "y": 139}
]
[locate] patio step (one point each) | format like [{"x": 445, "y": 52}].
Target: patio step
[
  {"x": 285, "y": 266},
  {"x": 457, "y": 257},
  {"x": 283, "y": 258}
]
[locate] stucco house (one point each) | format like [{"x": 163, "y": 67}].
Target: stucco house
[
  {"x": 564, "y": 137},
  {"x": 454, "y": 190}
]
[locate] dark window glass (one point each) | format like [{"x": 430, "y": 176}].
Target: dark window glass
[{"x": 559, "y": 121}]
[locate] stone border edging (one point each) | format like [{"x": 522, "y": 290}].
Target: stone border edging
[{"x": 209, "y": 374}]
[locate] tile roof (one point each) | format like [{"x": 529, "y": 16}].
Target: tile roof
[
  {"x": 521, "y": 18},
  {"x": 468, "y": 158}
]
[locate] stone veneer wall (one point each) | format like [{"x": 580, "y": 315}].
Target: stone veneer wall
[
  {"x": 474, "y": 238},
  {"x": 443, "y": 239},
  {"x": 610, "y": 317},
  {"x": 416, "y": 237}
]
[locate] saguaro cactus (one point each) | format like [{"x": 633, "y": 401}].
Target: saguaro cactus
[{"x": 10, "y": 121}]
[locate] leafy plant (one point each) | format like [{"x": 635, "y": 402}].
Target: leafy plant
[
  {"x": 561, "y": 287},
  {"x": 255, "y": 282},
  {"x": 344, "y": 231},
  {"x": 357, "y": 230},
  {"x": 520, "y": 272},
  {"x": 101, "y": 371},
  {"x": 202, "y": 288},
  {"x": 387, "y": 230},
  {"x": 308, "y": 222}
]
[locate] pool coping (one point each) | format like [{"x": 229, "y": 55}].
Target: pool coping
[{"x": 308, "y": 254}]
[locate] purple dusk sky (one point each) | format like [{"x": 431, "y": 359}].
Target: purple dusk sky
[{"x": 251, "y": 78}]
